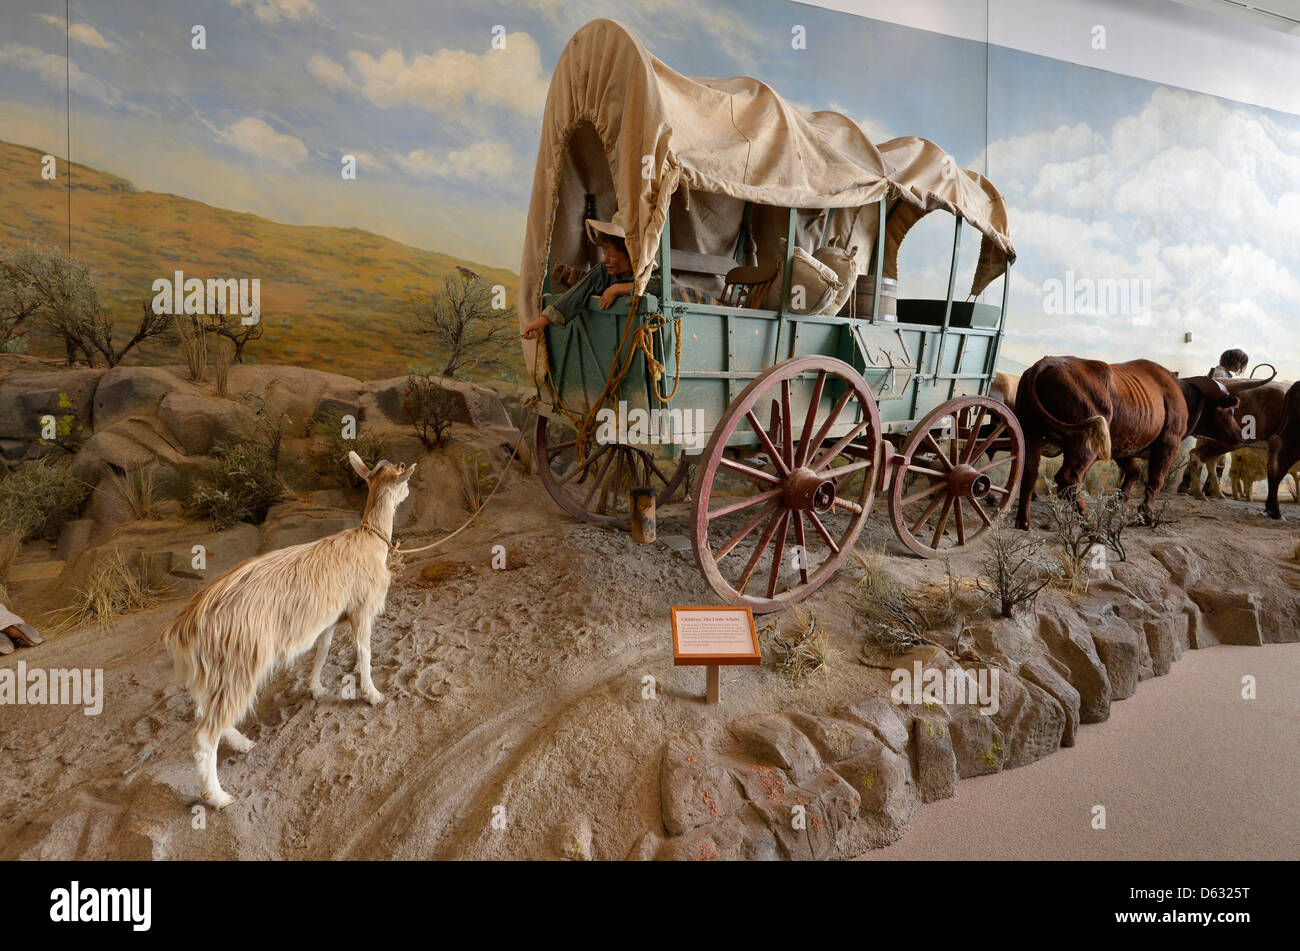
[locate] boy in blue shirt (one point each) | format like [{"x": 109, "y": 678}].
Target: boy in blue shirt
[{"x": 611, "y": 279}]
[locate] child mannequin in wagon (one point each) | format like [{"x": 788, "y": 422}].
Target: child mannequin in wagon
[{"x": 611, "y": 279}]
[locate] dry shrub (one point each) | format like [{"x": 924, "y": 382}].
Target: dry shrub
[
  {"x": 477, "y": 480},
  {"x": 895, "y": 623},
  {"x": 879, "y": 593},
  {"x": 220, "y": 354},
  {"x": 10, "y": 544},
  {"x": 39, "y": 496},
  {"x": 429, "y": 408},
  {"x": 117, "y": 585},
  {"x": 334, "y": 455},
  {"x": 139, "y": 489},
  {"x": 1012, "y": 572},
  {"x": 193, "y": 345},
  {"x": 244, "y": 480},
  {"x": 801, "y": 647}
]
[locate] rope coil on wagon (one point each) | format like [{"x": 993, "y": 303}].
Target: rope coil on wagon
[{"x": 635, "y": 337}]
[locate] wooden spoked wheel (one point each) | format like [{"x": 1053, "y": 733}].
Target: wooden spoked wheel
[
  {"x": 773, "y": 528},
  {"x": 963, "y": 470},
  {"x": 598, "y": 489}
]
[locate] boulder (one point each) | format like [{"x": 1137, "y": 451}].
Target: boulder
[
  {"x": 1231, "y": 616},
  {"x": 774, "y": 740},
  {"x": 883, "y": 718},
  {"x": 835, "y": 739},
  {"x": 936, "y": 763},
  {"x": 1120, "y": 649},
  {"x": 977, "y": 743},
  {"x": 108, "y": 510},
  {"x": 692, "y": 790},
  {"x": 27, "y": 394},
  {"x": 294, "y": 523},
  {"x": 474, "y": 405},
  {"x": 74, "y": 538},
  {"x": 808, "y": 819},
  {"x": 131, "y": 391},
  {"x": 1184, "y": 566},
  {"x": 742, "y": 837},
  {"x": 1162, "y": 642},
  {"x": 128, "y": 444},
  {"x": 1030, "y": 719},
  {"x": 197, "y": 422},
  {"x": 108, "y": 449},
  {"x": 880, "y": 777},
  {"x": 1040, "y": 672},
  {"x": 1070, "y": 642}
]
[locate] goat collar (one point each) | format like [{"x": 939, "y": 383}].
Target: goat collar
[{"x": 377, "y": 533}]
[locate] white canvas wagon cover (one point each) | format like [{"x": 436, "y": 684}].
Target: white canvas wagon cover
[{"x": 624, "y": 127}]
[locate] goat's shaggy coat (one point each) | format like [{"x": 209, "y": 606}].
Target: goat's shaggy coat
[{"x": 228, "y": 639}]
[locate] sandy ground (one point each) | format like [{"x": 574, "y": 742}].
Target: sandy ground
[
  {"x": 1185, "y": 768},
  {"x": 519, "y": 693}
]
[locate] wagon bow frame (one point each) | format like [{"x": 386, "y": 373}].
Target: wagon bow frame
[{"x": 793, "y": 421}]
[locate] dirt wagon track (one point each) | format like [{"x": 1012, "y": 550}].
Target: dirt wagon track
[{"x": 518, "y": 688}]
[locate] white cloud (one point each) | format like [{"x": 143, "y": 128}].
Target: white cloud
[
  {"x": 674, "y": 20},
  {"x": 1198, "y": 196},
  {"x": 450, "y": 80},
  {"x": 273, "y": 11},
  {"x": 257, "y": 138},
  {"x": 329, "y": 73},
  {"x": 478, "y": 162},
  {"x": 57, "y": 71},
  {"x": 81, "y": 32}
]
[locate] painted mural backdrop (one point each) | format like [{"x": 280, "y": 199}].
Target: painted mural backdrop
[{"x": 211, "y": 138}]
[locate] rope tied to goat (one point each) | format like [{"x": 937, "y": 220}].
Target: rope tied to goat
[{"x": 636, "y": 337}]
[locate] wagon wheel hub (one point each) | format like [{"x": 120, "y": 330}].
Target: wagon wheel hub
[
  {"x": 967, "y": 482},
  {"x": 808, "y": 491}
]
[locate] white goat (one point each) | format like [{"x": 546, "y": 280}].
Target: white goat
[{"x": 264, "y": 612}]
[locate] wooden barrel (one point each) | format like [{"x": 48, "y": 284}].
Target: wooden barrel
[{"x": 861, "y": 301}]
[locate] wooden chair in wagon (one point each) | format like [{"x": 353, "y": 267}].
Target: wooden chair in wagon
[{"x": 805, "y": 416}]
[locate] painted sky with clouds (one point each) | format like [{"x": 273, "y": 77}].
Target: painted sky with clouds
[{"x": 1105, "y": 176}]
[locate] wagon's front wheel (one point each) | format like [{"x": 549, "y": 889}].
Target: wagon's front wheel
[
  {"x": 598, "y": 487},
  {"x": 962, "y": 468},
  {"x": 813, "y": 433}
]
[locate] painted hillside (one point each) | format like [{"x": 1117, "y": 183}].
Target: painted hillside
[{"x": 331, "y": 297}]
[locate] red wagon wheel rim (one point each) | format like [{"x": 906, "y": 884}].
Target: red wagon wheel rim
[
  {"x": 597, "y": 488},
  {"x": 812, "y": 476},
  {"x": 964, "y": 465}
]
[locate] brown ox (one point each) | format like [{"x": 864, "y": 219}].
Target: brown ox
[
  {"x": 1283, "y": 449},
  {"x": 1122, "y": 411},
  {"x": 1260, "y": 411},
  {"x": 1003, "y": 388}
]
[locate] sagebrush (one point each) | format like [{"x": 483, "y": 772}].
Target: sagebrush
[{"x": 39, "y": 496}]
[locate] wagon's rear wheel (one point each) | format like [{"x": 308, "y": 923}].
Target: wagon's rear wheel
[
  {"x": 597, "y": 489},
  {"x": 964, "y": 465},
  {"x": 794, "y": 509}
]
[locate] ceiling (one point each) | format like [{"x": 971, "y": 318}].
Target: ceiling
[{"x": 1283, "y": 15}]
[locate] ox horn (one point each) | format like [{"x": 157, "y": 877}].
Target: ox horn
[{"x": 1251, "y": 383}]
